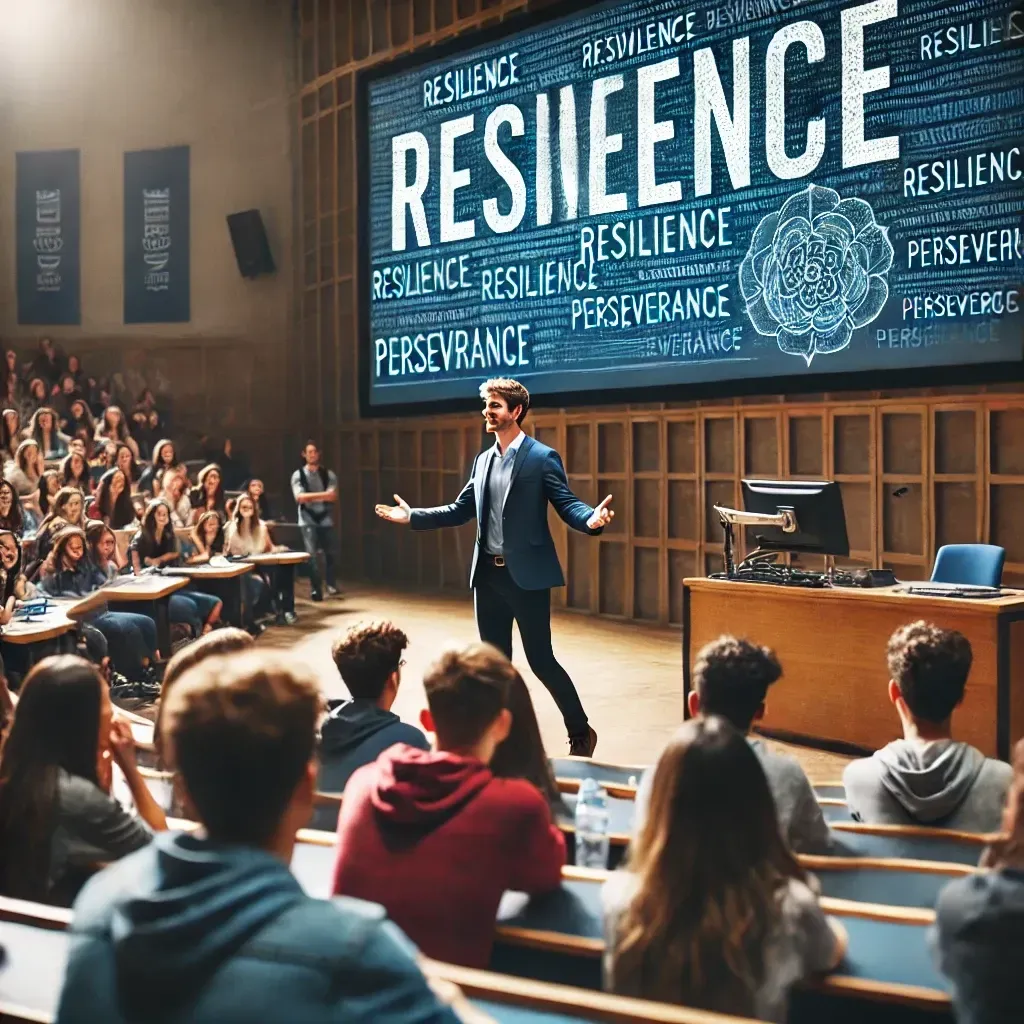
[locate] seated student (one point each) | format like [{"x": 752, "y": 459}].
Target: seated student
[
  {"x": 104, "y": 454},
  {"x": 36, "y": 397},
  {"x": 12, "y": 432},
  {"x": 731, "y": 678},
  {"x": 113, "y": 427},
  {"x": 172, "y": 486},
  {"x": 213, "y": 928},
  {"x": 28, "y": 467},
  {"x": 79, "y": 418},
  {"x": 165, "y": 457},
  {"x": 928, "y": 778},
  {"x": 208, "y": 494},
  {"x": 113, "y": 504},
  {"x": 714, "y": 911},
  {"x": 43, "y": 430},
  {"x": 65, "y": 509},
  {"x": 207, "y": 538},
  {"x": 369, "y": 660},
  {"x": 57, "y": 821},
  {"x": 979, "y": 923},
  {"x": 103, "y": 551},
  {"x": 130, "y": 638},
  {"x": 155, "y": 546},
  {"x": 11, "y": 515},
  {"x": 436, "y": 837},
  {"x": 74, "y": 472},
  {"x": 255, "y": 489},
  {"x": 521, "y": 754},
  {"x": 124, "y": 460},
  {"x": 246, "y": 534},
  {"x": 14, "y": 586}
]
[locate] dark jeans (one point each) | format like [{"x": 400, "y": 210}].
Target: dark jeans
[
  {"x": 314, "y": 539},
  {"x": 499, "y": 601},
  {"x": 130, "y": 638}
]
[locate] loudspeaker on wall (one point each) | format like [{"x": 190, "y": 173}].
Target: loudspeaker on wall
[{"x": 249, "y": 238}]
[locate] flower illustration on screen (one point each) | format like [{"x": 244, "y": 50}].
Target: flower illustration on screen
[{"x": 816, "y": 271}]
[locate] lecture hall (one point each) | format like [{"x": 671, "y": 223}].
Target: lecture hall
[{"x": 404, "y": 622}]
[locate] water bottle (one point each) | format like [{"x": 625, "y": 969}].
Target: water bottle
[{"x": 591, "y": 826}]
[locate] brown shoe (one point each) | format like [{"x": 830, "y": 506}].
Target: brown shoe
[{"x": 583, "y": 744}]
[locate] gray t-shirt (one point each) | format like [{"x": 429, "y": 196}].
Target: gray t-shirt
[
  {"x": 92, "y": 828},
  {"x": 801, "y": 944},
  {"x": 314, "y": 513},
  {"x": 802, "y": 824}
]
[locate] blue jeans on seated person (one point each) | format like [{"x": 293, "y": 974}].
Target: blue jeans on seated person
[
  {"x": 205, "y": 603},
  {"x": 130, "y": 637}
]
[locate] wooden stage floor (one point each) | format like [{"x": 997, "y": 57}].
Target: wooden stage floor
[{"x": 629, "y": 676}]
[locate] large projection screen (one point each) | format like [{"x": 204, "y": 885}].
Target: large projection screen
[{"x": 665, "y": 199}]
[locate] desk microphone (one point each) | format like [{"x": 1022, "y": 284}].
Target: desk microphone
[{"x": 900, "y": 491}]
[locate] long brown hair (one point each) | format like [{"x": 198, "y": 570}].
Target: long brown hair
[
  {"x": 709, "y": 865},
  {"x": 55, "y": 726},
  {"x": 1008, "y": 850},
  {"x": 521, "y": 754}
]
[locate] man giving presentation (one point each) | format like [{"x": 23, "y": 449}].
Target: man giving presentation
[{"x": 514, "y": 561}]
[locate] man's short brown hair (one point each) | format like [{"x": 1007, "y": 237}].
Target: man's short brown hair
[
  {"x": 241, "y": 731},
  {"x": 931, "y": 666},
  {"x": 732, "y": 677},
  {"x": 367, "y": 655},
  {"x": 511, "y": 390},
  {"x": 466, "y": 690}
]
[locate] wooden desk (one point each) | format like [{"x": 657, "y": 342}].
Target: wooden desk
[
  {"x": 224, "y": 581},
  {"x": 278, "y": 558},
  {"x": 54, "y": 623},
  {"x": 152, "y": 591},
  {"x": 832, "y": 643}
]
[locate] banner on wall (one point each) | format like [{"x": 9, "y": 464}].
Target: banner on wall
[
  {"x": 48, "y": 223},
  {"x": 156, "y": 236}
]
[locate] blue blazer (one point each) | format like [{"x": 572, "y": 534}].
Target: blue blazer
[{"x": 538, "y": 477}]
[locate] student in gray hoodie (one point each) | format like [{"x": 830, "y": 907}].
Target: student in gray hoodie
[
  {"x": 730, "y": 678},
  {"x": 369, "y": 660},
  {"x": 928, "y": 778},
  {"x": 212, "y": 927}
]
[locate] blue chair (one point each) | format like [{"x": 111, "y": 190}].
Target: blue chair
[{"x": 978, "y": 565}]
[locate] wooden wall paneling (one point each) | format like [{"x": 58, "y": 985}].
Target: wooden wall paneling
[
  {"x": 684, "y": 506},
  {"x": 760, "y": 456},
  {"x": 719, "y": 452},
  {"x": 851, "y": 443},
  {"x": 957, "y": 457},
  {"x": 1005, "y": 482},
  {"x": 647, "y": 533},
  {"x": 615, "y": 569},
  {"x": 905, "y": 519}
]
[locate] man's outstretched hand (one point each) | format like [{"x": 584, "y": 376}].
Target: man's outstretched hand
[
  {"x": 400, "y": 513},
  {"x": 602, "y": 516}
]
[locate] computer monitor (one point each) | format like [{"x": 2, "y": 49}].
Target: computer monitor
[{"x": 817, "y": 506}]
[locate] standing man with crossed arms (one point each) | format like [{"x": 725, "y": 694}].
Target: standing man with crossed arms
[{"x": 515, "y": 564}]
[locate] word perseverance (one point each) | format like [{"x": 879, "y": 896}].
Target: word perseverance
[
  {"x": 997, "y": 245},
  {"x": 629, "y": 309},
  {"x": 453, "y": 350},
  {"x": 975, "y": 303}
]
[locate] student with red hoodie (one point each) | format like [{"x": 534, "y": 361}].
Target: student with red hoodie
[{"x": 434, "y": 836}]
